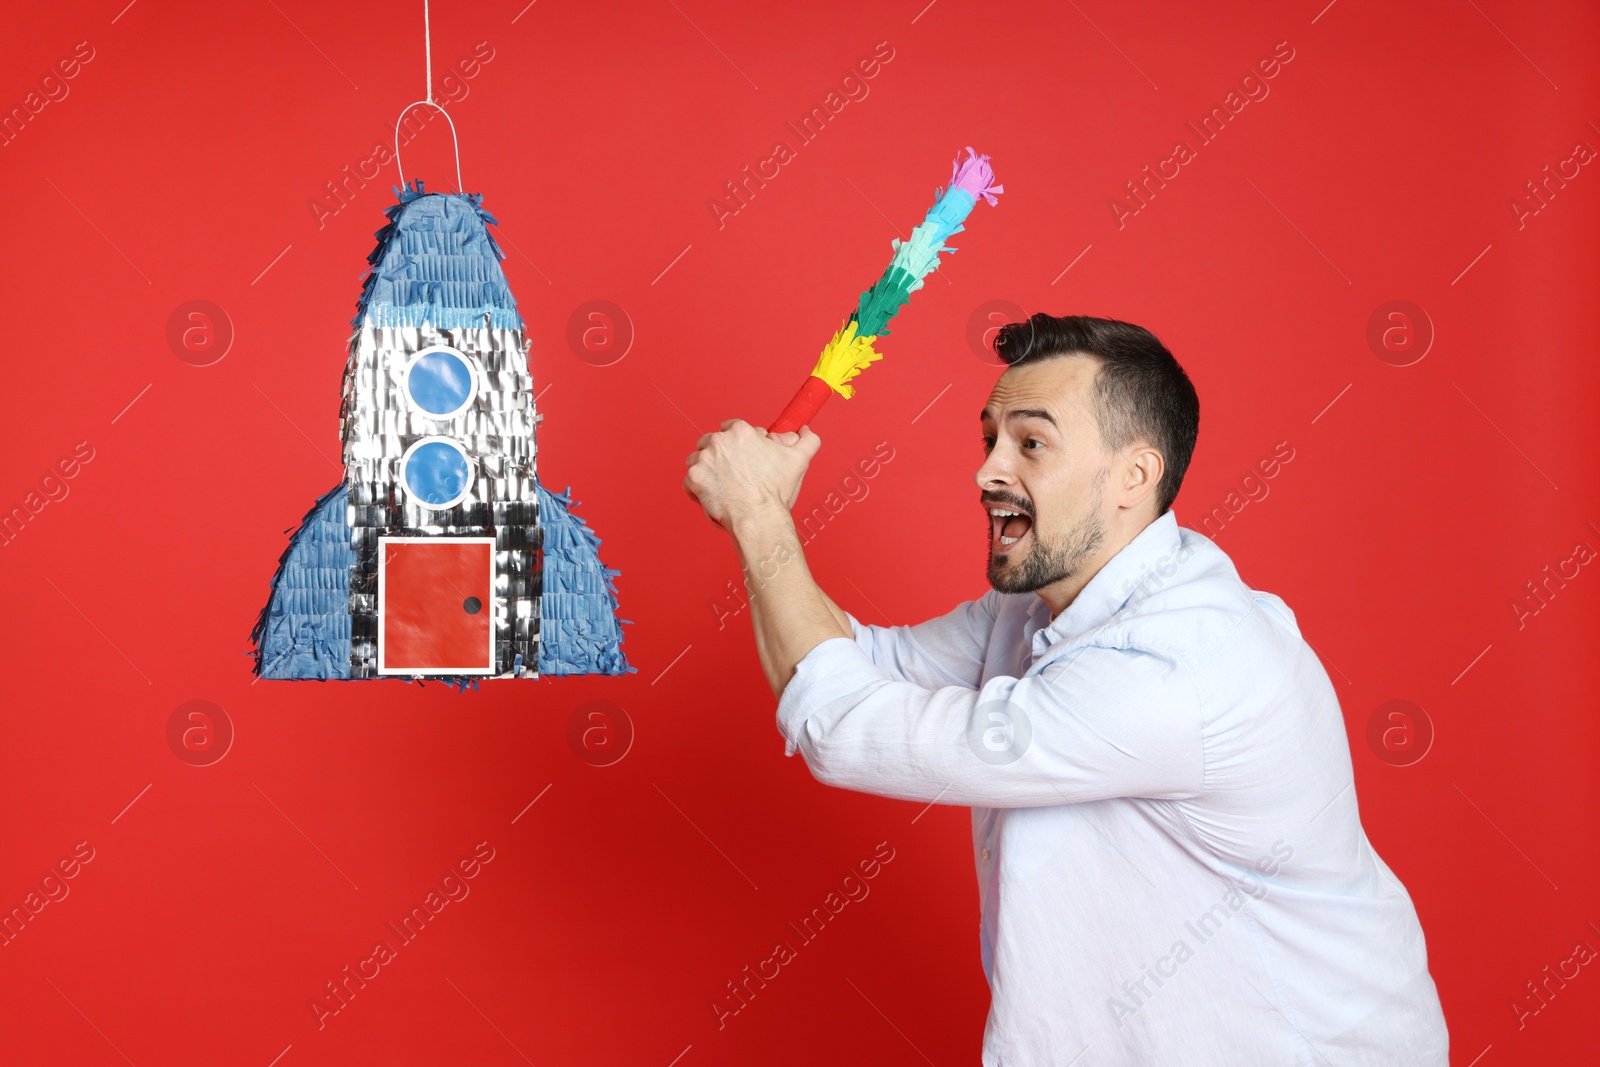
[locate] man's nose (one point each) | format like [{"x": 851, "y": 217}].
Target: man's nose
[{"x": 995, "y": 471}]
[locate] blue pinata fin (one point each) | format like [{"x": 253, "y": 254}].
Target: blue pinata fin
[
  {"x": 579, "y": 629},
  {"x": 304, "y": 631}
]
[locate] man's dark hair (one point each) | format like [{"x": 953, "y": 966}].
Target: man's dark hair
[{"x": 1140, "y": 390}]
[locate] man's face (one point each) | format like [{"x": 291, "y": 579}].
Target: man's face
[{"x": 1044, "y": 461}]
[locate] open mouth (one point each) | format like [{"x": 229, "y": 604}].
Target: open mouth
[{"x": 1007, "y": 527}]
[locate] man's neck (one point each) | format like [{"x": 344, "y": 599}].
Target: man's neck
[{"x": 1060, "y": 594}]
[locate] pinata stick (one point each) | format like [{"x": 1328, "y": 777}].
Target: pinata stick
[
  {"x": 844, "y": 357},
  {"x": 804, "y": 407},
  {"x": 851, "y": 352}
]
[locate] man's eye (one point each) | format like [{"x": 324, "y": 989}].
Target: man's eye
[
  {"x": 988, "y": 443},
  {"x": 1035, "y": 441}
]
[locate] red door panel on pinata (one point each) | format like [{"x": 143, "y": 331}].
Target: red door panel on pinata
[{"x": 434, "y": 605}]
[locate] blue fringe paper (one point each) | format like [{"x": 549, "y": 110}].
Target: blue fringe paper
[
  {"x": 436, "y": 262},
  {"x": 579, "y": 632},
  {"x": 949, "y": 212},
  {"x": 304, "y": 631}
]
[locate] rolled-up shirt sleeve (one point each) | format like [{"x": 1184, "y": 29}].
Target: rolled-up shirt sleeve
[
  {"x": 1099, "y": 723},
  {"x": 946, "y": 650}
]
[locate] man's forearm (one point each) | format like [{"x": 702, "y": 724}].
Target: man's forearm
[
  {"x": 838, "y": 612},
  {"x": 790, "y": 612}
]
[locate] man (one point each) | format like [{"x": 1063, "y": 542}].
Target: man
[{"x": 1171, "y": 865}]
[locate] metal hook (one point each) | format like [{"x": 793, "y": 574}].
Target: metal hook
[{"x": 455, "y": 142}]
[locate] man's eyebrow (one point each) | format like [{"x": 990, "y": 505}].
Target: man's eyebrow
[{"x": 1022, "y": 413}]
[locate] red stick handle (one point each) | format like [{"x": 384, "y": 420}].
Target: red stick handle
[{"x": 803, "y": 408}]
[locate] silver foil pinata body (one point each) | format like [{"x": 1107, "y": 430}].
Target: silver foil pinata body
[{"x": 440, "y": 555}]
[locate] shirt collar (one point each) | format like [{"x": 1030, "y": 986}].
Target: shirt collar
[{"x": 1111, "y": 587}]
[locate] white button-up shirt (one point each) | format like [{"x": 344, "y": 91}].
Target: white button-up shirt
[{"x": 1171, "y": 864}]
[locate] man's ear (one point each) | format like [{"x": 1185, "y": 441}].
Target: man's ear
[{"x": 1139, "y": 475}]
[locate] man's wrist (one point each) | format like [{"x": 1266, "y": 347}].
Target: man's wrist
[{"x": 761, "y": 525}]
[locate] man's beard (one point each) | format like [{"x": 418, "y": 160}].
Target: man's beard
[{"x": 1047, "y": 563}]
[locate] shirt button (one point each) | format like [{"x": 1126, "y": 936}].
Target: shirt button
[{"x": 985, "y": 853}]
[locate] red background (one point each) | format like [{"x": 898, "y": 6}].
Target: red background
[{"x": 616, "y": 907}]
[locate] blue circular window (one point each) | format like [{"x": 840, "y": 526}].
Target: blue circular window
[
  {"x": 436, "y": 473},
  {"x": 440, "y": 382}
]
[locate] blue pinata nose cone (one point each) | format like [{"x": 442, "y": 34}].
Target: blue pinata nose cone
[{"x": 437, "y": 263}]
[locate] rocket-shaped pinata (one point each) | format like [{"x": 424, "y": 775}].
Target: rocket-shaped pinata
[{"x": 440, "y": 555}]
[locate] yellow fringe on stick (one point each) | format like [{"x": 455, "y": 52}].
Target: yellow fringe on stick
[{"x": 844, "y": 357}]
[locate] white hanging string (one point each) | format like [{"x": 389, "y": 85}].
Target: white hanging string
[{"x": 427, "y": 54}]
